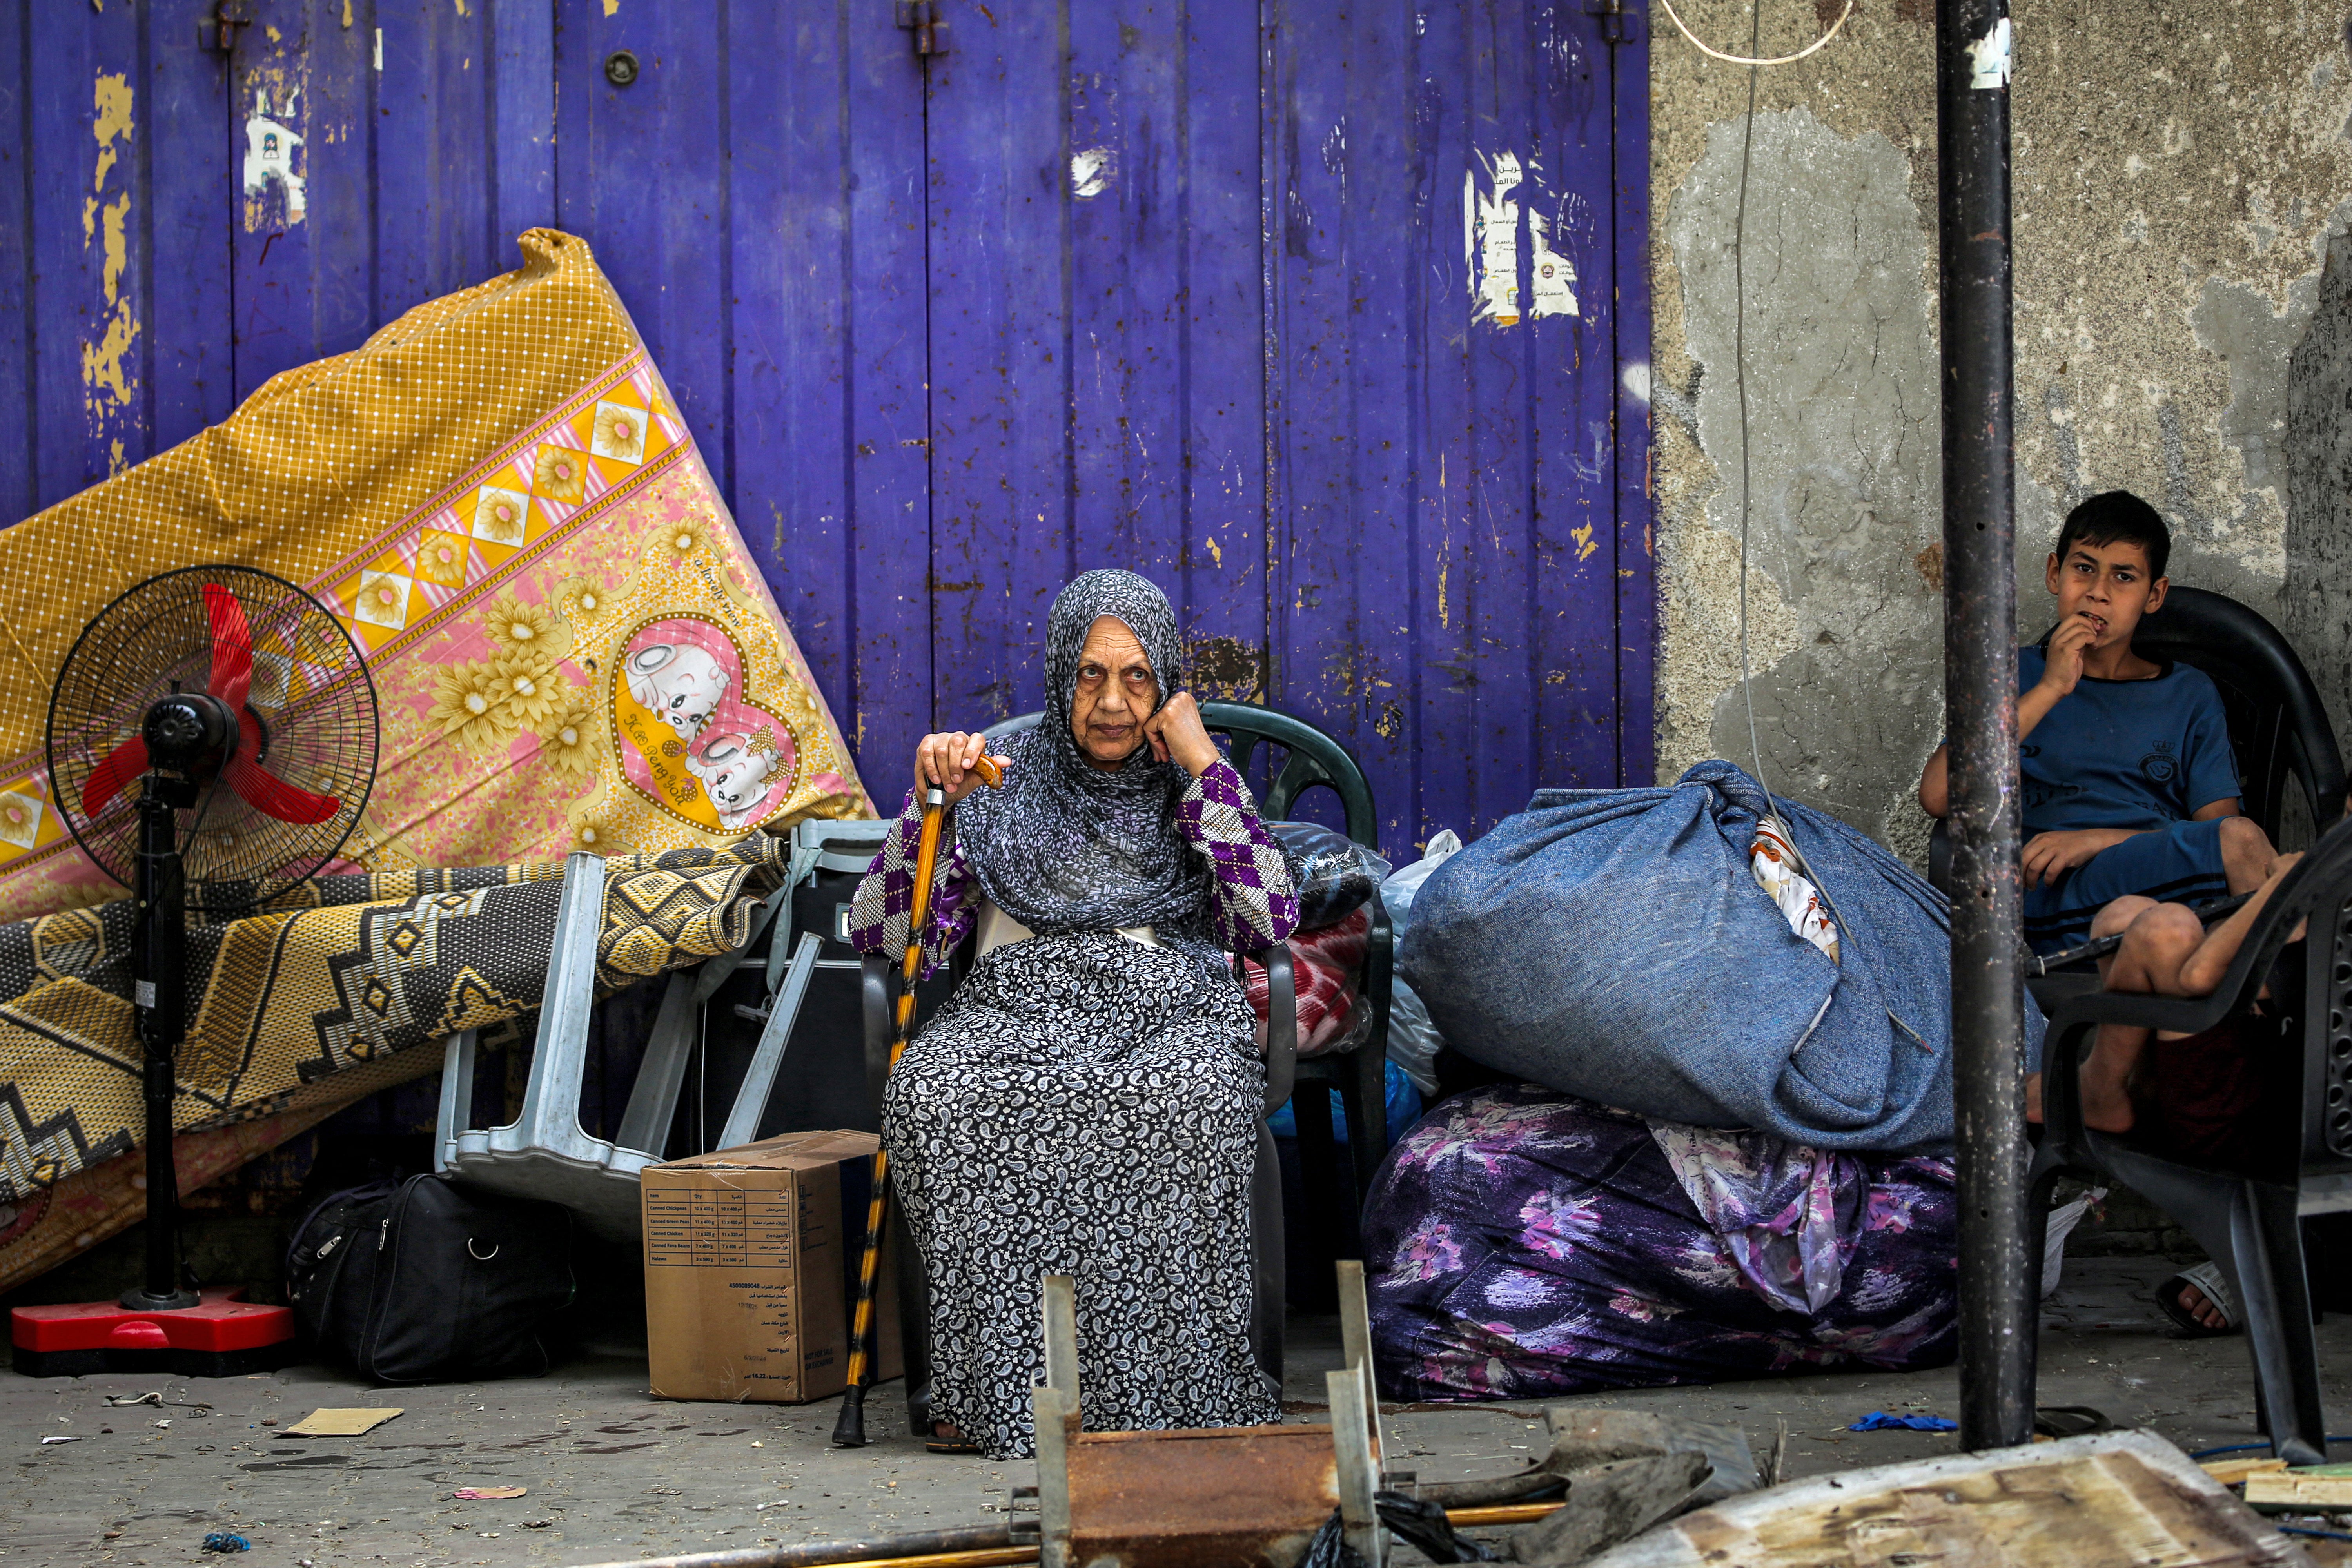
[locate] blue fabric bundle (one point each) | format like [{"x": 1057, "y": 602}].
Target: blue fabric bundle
[{"x": 1614, "y": 944}]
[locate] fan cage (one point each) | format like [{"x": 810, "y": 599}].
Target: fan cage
[{"x": 311, "y": 722}]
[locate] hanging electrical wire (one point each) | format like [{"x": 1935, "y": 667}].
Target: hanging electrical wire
[{"x": 1756, "y": 42}]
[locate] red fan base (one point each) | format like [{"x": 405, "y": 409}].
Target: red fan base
[{"x": 223, "y": 1336}]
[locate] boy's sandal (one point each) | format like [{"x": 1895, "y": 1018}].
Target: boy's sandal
[
  {"x": 2209, "y": 1282},
  {"x": 2070, "y": 1421},
  {"x": 939, "y": 1442}
]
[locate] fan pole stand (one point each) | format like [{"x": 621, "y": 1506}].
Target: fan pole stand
[
  {"x": 159, "y": 1324},
  {"x": 158, "y": 986}
]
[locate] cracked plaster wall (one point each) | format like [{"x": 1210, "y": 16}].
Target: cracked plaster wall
[{"x": 2177, "y": 174}]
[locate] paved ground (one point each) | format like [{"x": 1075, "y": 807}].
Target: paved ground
[{"x": 613, "y": 1474}]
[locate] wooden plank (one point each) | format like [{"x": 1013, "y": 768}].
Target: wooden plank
[
  {"x": 1347, "y": 183},
  {"x": 1002, "y": 362},
  {"x": 792, "y": 244},
  {"x": 522, "y": 123},
  {"x": 1441, "y": 715},
  {"x": 2231, "y": 1472},
  {"x": 890, "y": 465},
  {"x": 2285, "y": 1492},
  {"x": 1571, "y": 399},
  {"x": 1222, "y": 563},
  {"x": 191, "y": 214},
  {"x": 1636, "y": 566},
  {"x": 19, "y": 450},
  {"x": 284, "y": 204},
  {"x": 435, "y": 183},
  {"x": 88, "y": 311},
  {"x": 641, "y": 175}
]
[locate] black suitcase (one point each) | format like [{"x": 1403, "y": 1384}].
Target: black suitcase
[{"x": 426, "y": 1281}]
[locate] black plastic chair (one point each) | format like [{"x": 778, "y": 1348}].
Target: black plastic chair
[
  {"x": 2278, "y": 726},
  {"x": 2248, "y": 1220}
]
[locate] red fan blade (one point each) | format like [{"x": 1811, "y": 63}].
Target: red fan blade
[
  {"x": 268, "y": 793},
  {"x": 232, "y": 648},
  {"x": 122, "y": 764}
]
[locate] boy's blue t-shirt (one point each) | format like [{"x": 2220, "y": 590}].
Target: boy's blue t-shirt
[{"x": 2125, "y": 753}]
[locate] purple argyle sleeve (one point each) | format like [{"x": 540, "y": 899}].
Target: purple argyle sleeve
[
  {"x": 1255, "y": 904},
  {"x": 884, "y": 900}
]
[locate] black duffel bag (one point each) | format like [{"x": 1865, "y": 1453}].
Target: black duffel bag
[{"x": 428, "y": 1281}]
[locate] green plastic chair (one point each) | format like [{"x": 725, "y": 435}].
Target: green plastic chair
[{"x": 1314, "y": 758}]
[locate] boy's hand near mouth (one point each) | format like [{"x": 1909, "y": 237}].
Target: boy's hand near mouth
[{"x": 2076, "y": 636}]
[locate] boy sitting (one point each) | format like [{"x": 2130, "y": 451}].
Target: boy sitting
[{"x": 2130, "y": 786}]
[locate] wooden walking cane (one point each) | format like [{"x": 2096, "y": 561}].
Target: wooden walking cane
[{"x": 849, "y": 1432}]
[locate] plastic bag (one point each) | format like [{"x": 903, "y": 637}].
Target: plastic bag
[
  {"x": 1335, "y": 874},
  {"x": 1327, "y": 967},
  {"x": 1614, "y": 945},
  {"x": 1414, "y": 1039},
  {"x": 1402, "y": 1110}
]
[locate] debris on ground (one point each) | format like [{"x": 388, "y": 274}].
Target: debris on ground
[
  {"x": 1880, "y": 1421},
  {"x": 341, "y": 1423},
  {"x": 156, "y": 1396},
  {"x": 488, "y": 1494},
  {"x": 221, "y": 1540},
  {"x": 2063, "y": 1502},
  {"x": 2297, "y": 1491}
]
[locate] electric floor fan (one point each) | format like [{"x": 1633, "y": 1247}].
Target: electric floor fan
[{"x": 212, "y": 740}]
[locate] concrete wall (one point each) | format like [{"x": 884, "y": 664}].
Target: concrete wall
[{"x": 2180, "y": 171}]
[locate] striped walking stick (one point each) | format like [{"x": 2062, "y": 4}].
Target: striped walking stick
[{"x": 849, "y": 1432}]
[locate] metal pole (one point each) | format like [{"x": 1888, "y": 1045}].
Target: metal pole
[
  {"x": 1997, "y": 1323},
  {"x": 158, "y": 963}
]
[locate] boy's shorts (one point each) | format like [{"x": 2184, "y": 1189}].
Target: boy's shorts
[{"x": 2176, "y": 865}]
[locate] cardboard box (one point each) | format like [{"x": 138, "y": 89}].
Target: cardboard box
[{"x": 750, "y": 1269}]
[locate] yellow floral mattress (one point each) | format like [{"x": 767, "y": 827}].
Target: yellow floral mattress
[{"x": 496, "y": 495}]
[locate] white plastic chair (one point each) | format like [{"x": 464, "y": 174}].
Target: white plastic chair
[{"x": 544, "y": 1153}]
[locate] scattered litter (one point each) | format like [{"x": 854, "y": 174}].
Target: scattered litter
[
  {"x": 305, "y": 1462},
  {"x": 2297, "y": 1491},
  {"x": 165, "y": 1425},
  {"x": 2230, "y": 1472},
  {"x": 57, "y": 1437},
  {"x": 488, "y": 1494},
  {"x": 221, "y": 1540},
  {"x": 156, "y": 1396},
  {"x": 537, "y": 1523},
  {"x": 340, "y": 1422},
  {"x": 2112, "y": 1486},
  {"x": 1879, "y": 1421}
]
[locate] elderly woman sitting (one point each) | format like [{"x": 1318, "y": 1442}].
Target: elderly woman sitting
[{"x": 1086, "y": 1101}]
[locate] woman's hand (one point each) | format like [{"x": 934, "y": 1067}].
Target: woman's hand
[
  {"x": 1177, "y": 735},
  {"x": 947, "y": 760}
]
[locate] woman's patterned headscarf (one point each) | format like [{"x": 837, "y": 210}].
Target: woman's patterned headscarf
[{"x": 1066, "y": 845}]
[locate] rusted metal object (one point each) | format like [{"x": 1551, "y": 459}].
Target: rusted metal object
[
  {"x": 1243, "y": 1495},
  {"x": 1238, "y": 1495}
]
